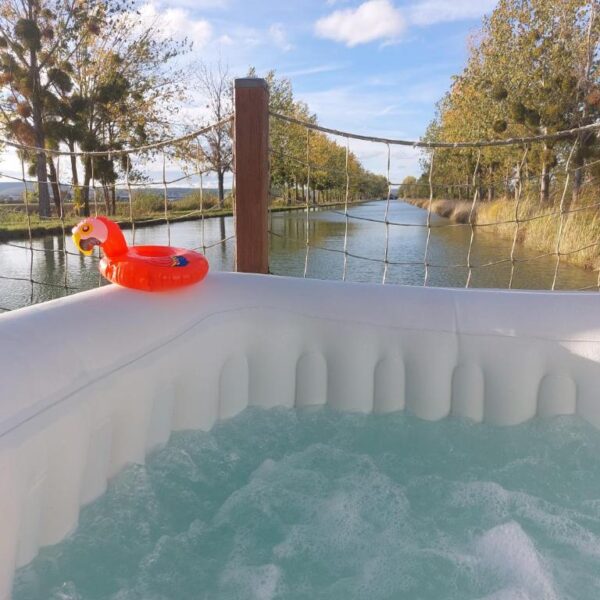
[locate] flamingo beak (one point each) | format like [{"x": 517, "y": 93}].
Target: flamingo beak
[{"x": 84, "y": 245}]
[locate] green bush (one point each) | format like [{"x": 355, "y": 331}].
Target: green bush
[
  {"x": 146, "y": 203},
  {"x": 10, "y": 215},
  {"x": 191, "y": 202}
]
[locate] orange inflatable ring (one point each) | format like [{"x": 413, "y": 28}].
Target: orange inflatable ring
[{"x": 149, "y": 268}]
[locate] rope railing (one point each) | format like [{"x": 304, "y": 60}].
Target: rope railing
[
  {"x": 519, "y": 210},
  {"x": 155, "y": 184},
  {"x": 595, "y": 205},
  {"x": 491, "y": 263},
  {"x": 332, "y": 170},
  {"x": 401, "y": 185},
  {"x": 46, "y": 266},
  {"x": 513, "y": 141},
  {"x": 121, "y": 151},
  {"x": 396, "y": 237}
]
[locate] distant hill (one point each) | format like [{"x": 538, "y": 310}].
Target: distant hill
[
  {"x": 12, "y": 191},
  {"x": 175, "y": 193}
]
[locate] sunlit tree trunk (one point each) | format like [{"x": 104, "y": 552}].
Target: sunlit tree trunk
[
  {"x": 74, "y": 173},
  {"x": 113, "y": 197},
  {"x": 55, "y": 184},
  {"x": 40, "y": 138},
  {"x": 87, "y": 178},
  {"x": 545, "y": 184},
  {"x": 221, "y": 187}
]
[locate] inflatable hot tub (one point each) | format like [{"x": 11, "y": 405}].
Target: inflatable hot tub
[{"x": 92, "y": 382}]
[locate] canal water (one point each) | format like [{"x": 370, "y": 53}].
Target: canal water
[{"x": 52, "y": 270}]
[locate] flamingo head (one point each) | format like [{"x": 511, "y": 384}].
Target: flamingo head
[{"x": 89, "y": 233}]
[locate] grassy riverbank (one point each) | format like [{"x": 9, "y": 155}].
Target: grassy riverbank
[
  {"x": 537, "y": 228},
  {"x": 14, "y": 225}
]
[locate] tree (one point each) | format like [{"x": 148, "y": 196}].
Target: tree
[
  {"x": 126, "y": 93},
  {"x": 94, "y": 78},
  {"x": 539, "y": 58},
  {"x": 34, "y": 68},
  {"x": 216, "y": 86},
  {"x": 287, "y": 140},
  {"x": 408, "y": 187},
  {"x": 533, "y": 69}
]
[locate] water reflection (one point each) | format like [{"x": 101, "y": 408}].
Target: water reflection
[
  {"x": 55, "y": 272},
  {"x": 447, "y": 253}
]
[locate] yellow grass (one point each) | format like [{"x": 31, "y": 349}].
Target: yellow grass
[
  {"x": 539, "y": 228},
  {"x": 538, "y": 225}
]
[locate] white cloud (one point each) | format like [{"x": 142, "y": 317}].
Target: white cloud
[
  {"x": 246, "y": 37},
  {"x": 429, "y": 12},
  {"x": 278, "y": 34},
  {"x": 225, "y": 39},
  {"x": 381, "y": 20},
  {"x": 373, "y": 20},
  {"x": 313, "y": 70},
  {"x": 177, "y": 23}
]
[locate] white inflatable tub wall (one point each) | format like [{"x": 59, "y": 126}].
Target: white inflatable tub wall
[{"x": 92, "y": 382}]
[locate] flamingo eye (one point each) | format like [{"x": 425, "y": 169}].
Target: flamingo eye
[{"x": 85, "y": 228}]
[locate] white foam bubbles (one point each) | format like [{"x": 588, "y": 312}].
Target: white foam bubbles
[
  {"x": 276, "y": 504},
  {"x": 511, "y": 556}
]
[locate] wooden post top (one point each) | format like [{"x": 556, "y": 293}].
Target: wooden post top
[{"x": 250, "y": 82}]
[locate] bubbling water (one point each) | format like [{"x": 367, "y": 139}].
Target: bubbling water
[{"x": 317, "y": 504}]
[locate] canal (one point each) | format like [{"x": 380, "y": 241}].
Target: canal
[{"x": 54, "y": 272}]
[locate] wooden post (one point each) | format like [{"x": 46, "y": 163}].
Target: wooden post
[{"x": 251, "y": 153}]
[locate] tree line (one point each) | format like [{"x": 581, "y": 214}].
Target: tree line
[
  {"x": 85, "y": 75},
  {"x": 307, "y": 164},
  {"x": 533, "y": 69},
  {"x": 304, "y": 165},
  {"x": 93, "y": 76}
]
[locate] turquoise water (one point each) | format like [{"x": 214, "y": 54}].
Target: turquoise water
[{"x": 317, "y": 504}]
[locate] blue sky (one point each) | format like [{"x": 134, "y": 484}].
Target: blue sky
[
  {"x": 374, "y": 66},
  {"x": 368, "y": 66}
]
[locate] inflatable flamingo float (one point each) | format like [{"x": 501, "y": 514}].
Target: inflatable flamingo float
[{"x": 148, "y": 268}]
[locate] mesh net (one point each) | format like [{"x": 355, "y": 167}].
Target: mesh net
[
  {"x": 492, "y": 230},
  {"x": 324, "y": 221},
  {"x": 159, "y": 197}
]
